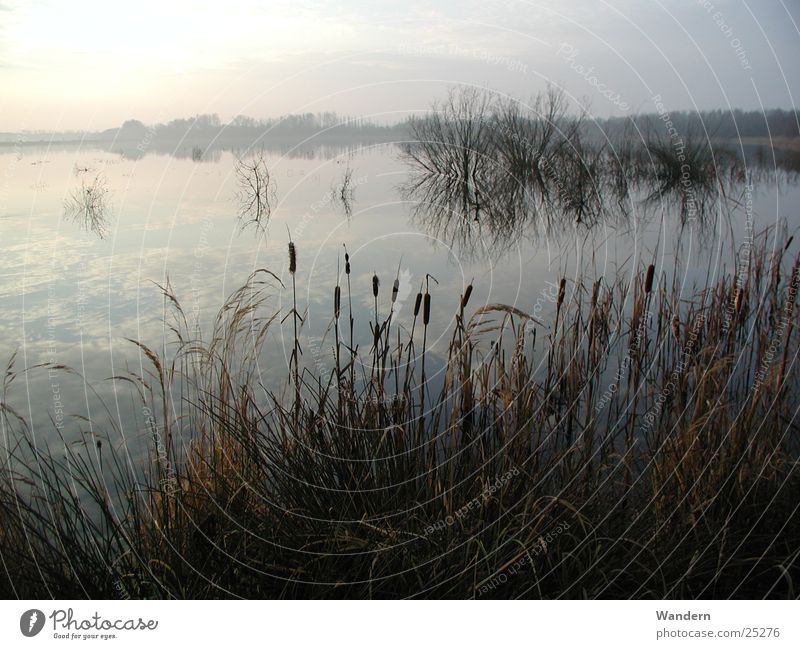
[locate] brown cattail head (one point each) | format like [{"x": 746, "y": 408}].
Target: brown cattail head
[
  {"x": 562, "y": 289},
  {"x": 466, "y": 297},
  {"x": 648, "y": 282},
  {"x": 292, "y": 258},
  {"x": 337, "y": 301},
  {"x": 426, "y": 313},
  {"x": 375, "y": 284},
  {"x": 417, "y": 304},
  {"x": 395, "y": 290}
]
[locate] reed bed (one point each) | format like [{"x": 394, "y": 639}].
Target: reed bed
[{"x": 639, "y": 442}]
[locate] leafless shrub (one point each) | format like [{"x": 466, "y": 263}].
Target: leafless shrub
[
  {"x": 256, "y": 190},
  {"x": 453, "y": 142},
  {"x": 345, "y": 191},
  {"x": 88, "y": 206}
]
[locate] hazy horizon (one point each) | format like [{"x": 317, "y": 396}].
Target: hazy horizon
[{"x": 91, "y": 67}]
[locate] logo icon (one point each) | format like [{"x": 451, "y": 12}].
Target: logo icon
[{"x": 31, "y": 622}]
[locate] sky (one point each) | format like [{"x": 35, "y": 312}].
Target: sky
[{"x": 91, "y": 64}]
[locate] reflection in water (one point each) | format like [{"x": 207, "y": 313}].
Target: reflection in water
[
  {"x": 87, "y": 205},
  {"x": 483, "y": 174},
  {"x": 256, "y": 190},
  {"x": 206, "y": 151},
  {"x": 344, "y": 192}
]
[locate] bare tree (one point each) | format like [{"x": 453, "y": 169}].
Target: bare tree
[{"x": 452, "y": 142}]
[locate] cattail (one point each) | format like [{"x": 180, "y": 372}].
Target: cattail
[
  {"x": 648, "y": 282},
  {"x": 375, "y": 284},
  {"x": 465, "y": 299},
  {"x": 562, "y": 287},
  {"x": 346, "y": 264},
  {"x": 426, "y": 313},
  {"x": 417, "y": 304},
  {"x": 337, "y": 301},
  {"x": 292, "y": 258},
  {"x": 395, "y": 290}
]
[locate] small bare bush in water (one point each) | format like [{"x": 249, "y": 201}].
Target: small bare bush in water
[
  {"x": 88, "y": 206},
  {"x": 256, "y": 190},
  {"x": 345, "y": 192}
]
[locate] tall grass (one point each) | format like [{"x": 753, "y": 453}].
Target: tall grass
[{"x": 640, "y": 442}]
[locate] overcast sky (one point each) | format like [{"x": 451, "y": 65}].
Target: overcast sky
[{"x": 90, "y": 64}]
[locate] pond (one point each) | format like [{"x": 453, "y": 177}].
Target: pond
[{"x": 75, "y": 291}]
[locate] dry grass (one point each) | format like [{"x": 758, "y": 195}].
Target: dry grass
[{"x": 679, "y": 482}]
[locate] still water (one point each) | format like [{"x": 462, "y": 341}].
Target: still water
[{"x": 72, "y": 297}]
